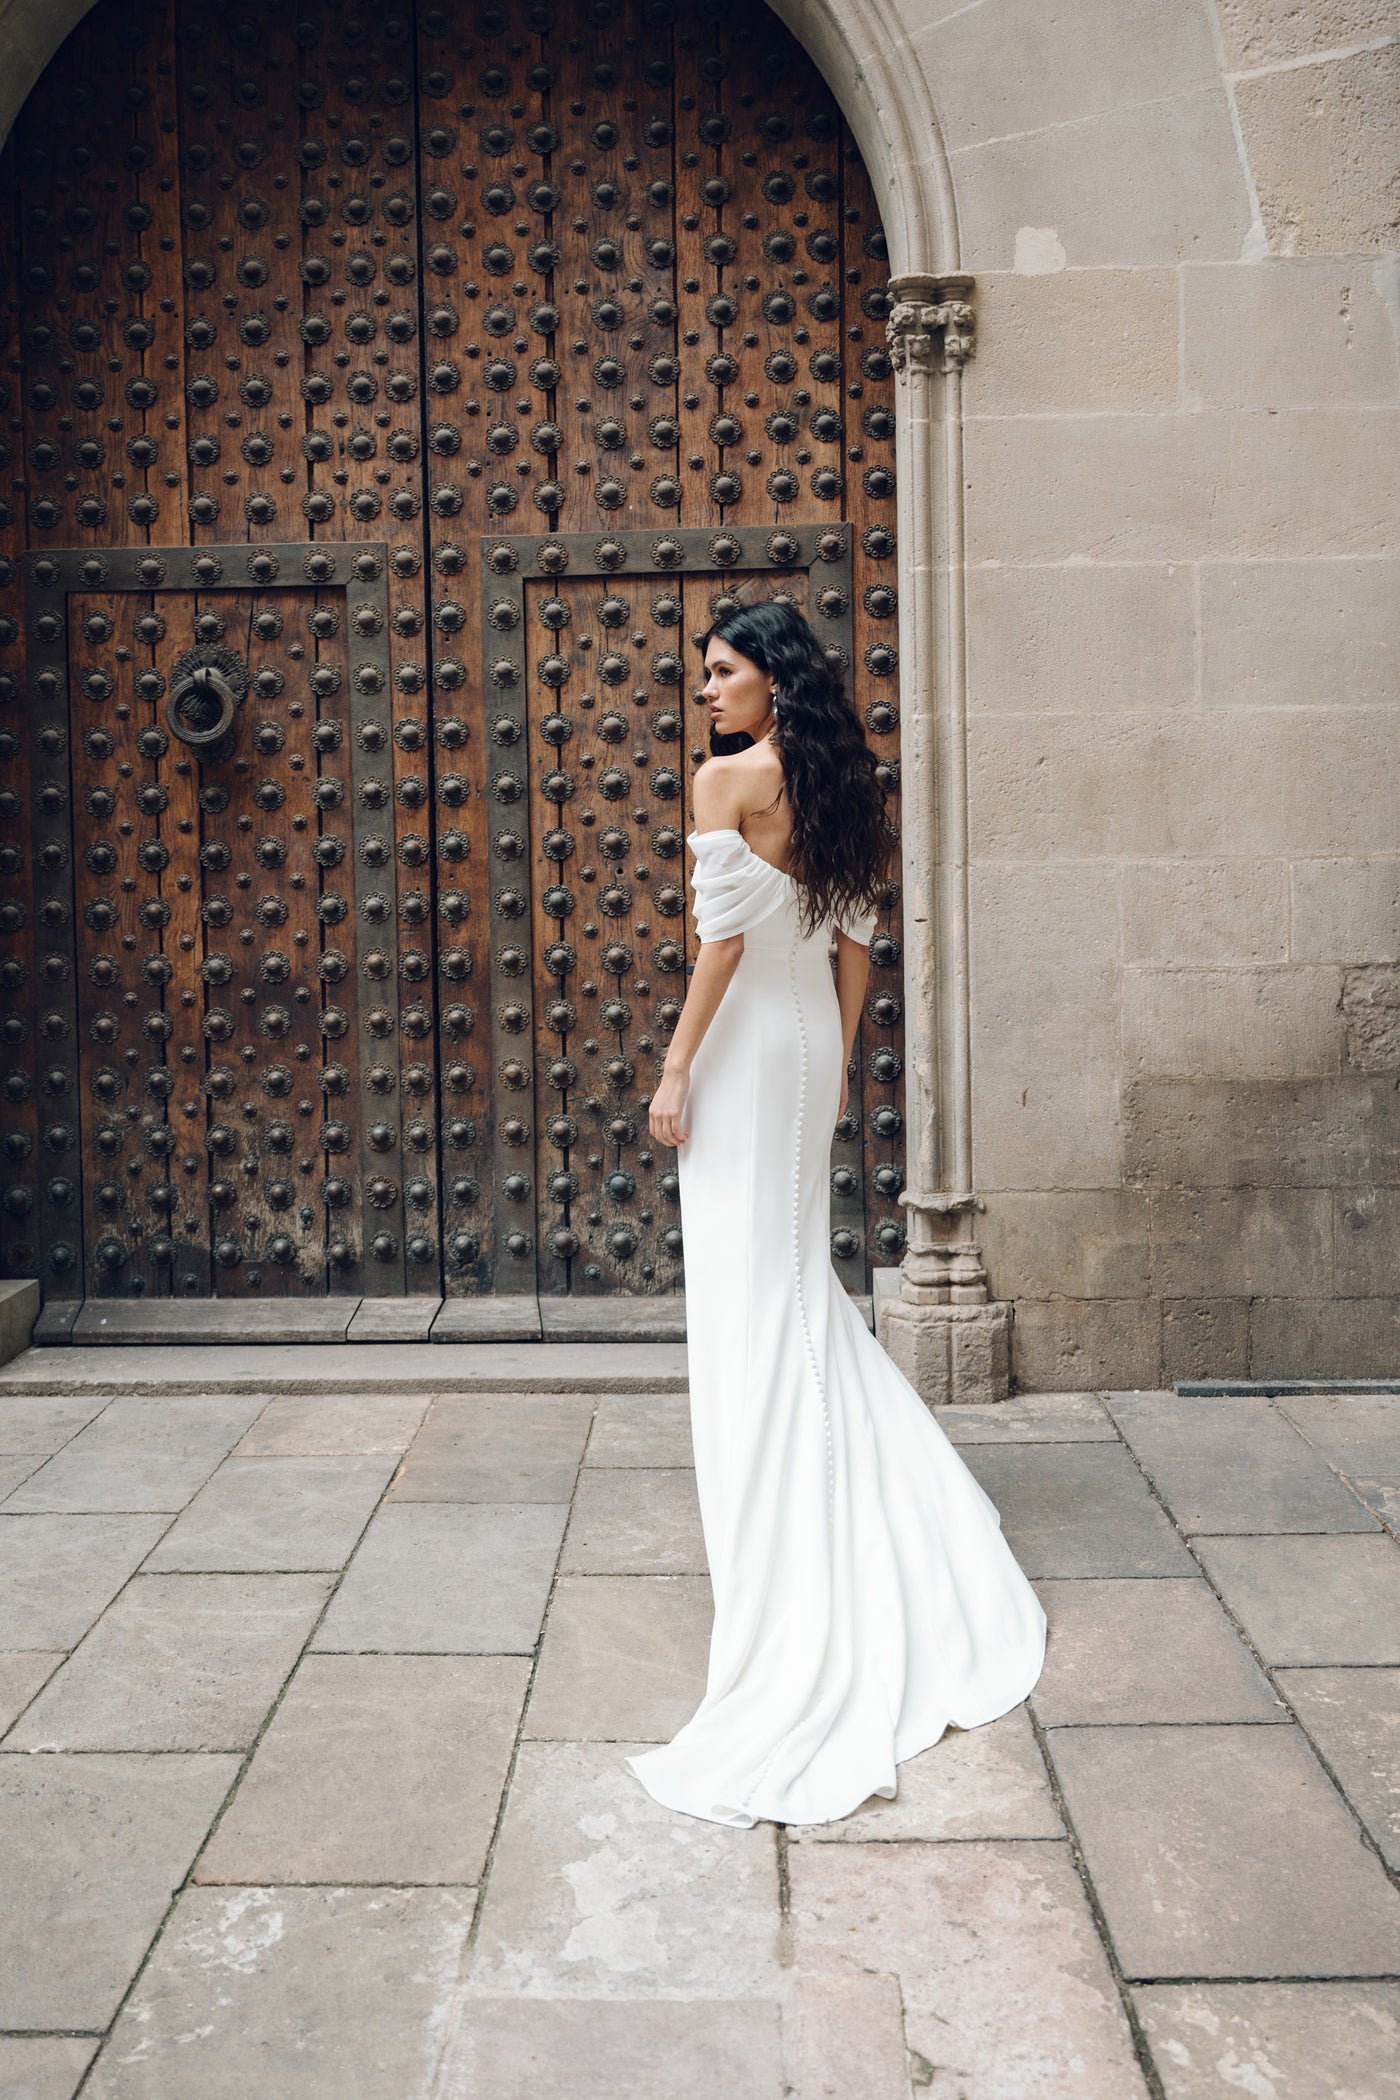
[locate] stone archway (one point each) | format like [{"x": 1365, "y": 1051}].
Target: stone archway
[{"x": 208, "y": 532}]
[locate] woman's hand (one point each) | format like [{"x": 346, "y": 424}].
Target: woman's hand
[{"x": 667, "y": 1111}]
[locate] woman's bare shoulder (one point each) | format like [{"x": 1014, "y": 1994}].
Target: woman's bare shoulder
[{"x": 728, "y": 789}]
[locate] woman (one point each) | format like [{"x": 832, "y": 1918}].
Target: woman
[{"x": 864, "y": 1595}]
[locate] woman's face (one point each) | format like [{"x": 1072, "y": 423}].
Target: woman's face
[{"x": 738, "y": 694}]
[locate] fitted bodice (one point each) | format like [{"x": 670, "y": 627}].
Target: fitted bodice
[{"x": 737, "y": 891}]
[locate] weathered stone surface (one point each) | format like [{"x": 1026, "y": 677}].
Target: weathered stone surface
[
  {"x": 499, "y": 1447},
  {"x": 1346, "y": 911},
  {"x": 606, "y": 2049},
  {"x": 198, "y": 1322},
  {"x": 1001, "y": 1971},
  {"x": 1271, "y": 1133},
  {"x": 1131, "y": 1651},
  {"x": 1123, "y": 323},
  {"x": 986, "y": 1782},
  {"x": 1367, "y": 1241},
  {"x": 654, "y": 1318},
  {"x": 91, "y": 1849},
  {"x": 393, "y": 1319},
  {"x": 596, "y": 1891},
  {"x": 1370, "y": 1005},
  {"x": 623, "y": 1658},
  {"x": 139, "y": 1454},
  {"x": 641, "y": 1429},
  {"x": 1325, "y": 1337},
  {"x": 1279, "y": 633},
  {"x": 1353, "y": 1716},
  {"x": 1311, "y": 1600},
  {"x": 21, "y": 1676},
  {"x": 1281, "y": 2041},
  {"x": 507, "y": 1317},
  {"x": 318, "y": 1992},
  {"x": 259, "y": 1515},
  {"x": 19, "y": 1309},
  {"x": 1080, "y": 1243},
  {"x": 15, "y": 1471},
  {"x": 1221, "y": 484},
  {"x": 1077, "y": 1509},
  {"x": 354, "y": 1367},
  {"x": 30, "y": 1424},
  {"x": 1295, "y": 781},
  {"x": 1157, "y": 184},
  {"x": 844, "y": 2035},
  {"x": 1234, "y": 1243},
  {"x": 1311, "y": 332},
  {"x": 1031, "y": 1418},
  {"x": 43, "y": 2067},
  {"x": 57, "y": 1573},
  {"x": 1224, "y": 1851},
  {"x": 179, "y": 1662},
  {"x": 1205, "y": 912},
  {"x": 951, "y": 1354},
  {"x": 445, "y": 1578},
  {"x": 1086, "y": 1342},
  {"x": 1322, "y": 142},
  {"x": 1246, "y": 1023},
  {"x": 1355, "y": 1432},
  {"x": 635, "y": 1520},
  {"x": 1205, "y": 1338},
  {"x": 1234, "y": 1464},
  {"x": 339, "y": 1425},
  {"x": 1053, "y": 640},
  {"x": 1261, "y": 32},
  {"x": 375, "y": 1768}
]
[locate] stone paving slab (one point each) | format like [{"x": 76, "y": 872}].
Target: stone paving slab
[
  {"x": 1312, "y": 1600},
  {"x": 1274, "y": 2041},
  {"x": 13, "y": 1473},
  {"x": 623, "y": 1658},
  {"x": 178, "y": 1662},
  {"x": 987, "y": 1782},
  {"x": 32, "y": 1422},
  {"x": 1007, "y": 1992},
  {"x": 21, "y": 1676},
  {"x": 641, "y": 1429},
  {"x": 57, "y": 1573},
  {"x": 1353, "y": 1717},
  {"x": 596, "y": 1891},
  {"x": 635, "y": 1520},
  {"x": 139, "y": 1454},
  {"x": 1031, "y": 1418},
  {"x": 600, "y": 2049},
  {"x": 311, "y": 1994},
  {"x": 498, "y": 1447},
  {"x": 1077, "y": 1509},
  {"x": 1224, "y": 1851},
  {"x": 43, "y": 2067},
  {"x": 844, "y": 2035},
  {"x": 260, "y": 1516},
  {"x": 447, "y": 1578},
  {"x": 375, "y": 1768},
  {"x": 350, "y": 1367},
  {"x": 1357, "y": 1434},
  {"x": 1382, "y": 1498},
  {"x": 91, "y": 1849},
  {"x": 393, "y": 1319},
  {"x": 335, "y": 1425},
  {"x": 1236, "y": 1465},
  {"x": 1124, "y": 1650},
  {"x": 200, "y": 1323}
]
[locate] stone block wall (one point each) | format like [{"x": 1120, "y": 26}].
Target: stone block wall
[{"x": 1182, "y": 484}]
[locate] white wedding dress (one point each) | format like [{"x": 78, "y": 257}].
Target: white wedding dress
[{"x": 864, "y": 1594}]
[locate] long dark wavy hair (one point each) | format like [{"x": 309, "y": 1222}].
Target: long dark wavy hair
[{"x": 841, "y": 836}]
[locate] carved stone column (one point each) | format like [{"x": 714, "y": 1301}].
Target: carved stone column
[{"x": 942, "y": 1331}]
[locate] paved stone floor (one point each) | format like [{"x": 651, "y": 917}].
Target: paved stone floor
[{"x": 313, "y": 1785}]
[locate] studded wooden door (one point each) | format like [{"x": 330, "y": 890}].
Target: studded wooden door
[{"x": 341, "y": 292}]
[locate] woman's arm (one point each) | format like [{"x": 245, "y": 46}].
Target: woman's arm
[
  {"x": 714, "y": 966},
  {"x": 852, "y": 977}
]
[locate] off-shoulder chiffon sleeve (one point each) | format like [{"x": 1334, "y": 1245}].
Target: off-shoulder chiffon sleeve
[
  {"x": 858, "y": 925},
  {"x": 734, "y": 888}
]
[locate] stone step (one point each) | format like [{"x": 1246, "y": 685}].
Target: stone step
[{"x": 350, "y": 1367}]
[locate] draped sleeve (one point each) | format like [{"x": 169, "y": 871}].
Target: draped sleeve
[
  {"x": 858, "y": 925},
  {"x": 734, "y": 888}
]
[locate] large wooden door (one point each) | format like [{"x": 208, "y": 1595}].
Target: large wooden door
[{"x": 451, "y": 363}]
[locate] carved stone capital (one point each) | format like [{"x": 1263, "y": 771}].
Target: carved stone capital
[{"x": 931, "y": 319}]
